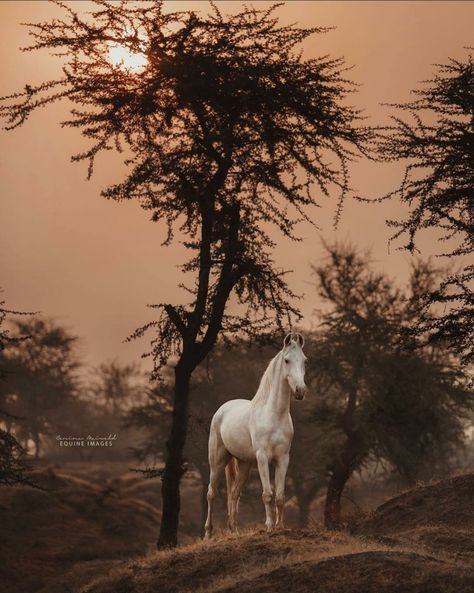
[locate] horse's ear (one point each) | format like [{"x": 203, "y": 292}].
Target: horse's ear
[
  {"x": 287, "y": 339},
  {"x": 300, "y": 339}
]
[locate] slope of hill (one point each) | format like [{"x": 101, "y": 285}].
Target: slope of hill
[
  {"x": 419, "y": 542},
  {"x": 439, "y": 516},
  {"x": 290, "y": 560},
  {"x": 86, "y": 520},
  {"x": 93, "y": 531}
]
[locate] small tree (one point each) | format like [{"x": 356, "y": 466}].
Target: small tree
[
  {"x": 41, "y": 376},
  {"x": 13, "y": 464},
  {"x": 438, "y": 188},
  {"x": 382, "y": 400},
  {"x": 116, "y": 386},
  {"x": 230, "y": 131}
]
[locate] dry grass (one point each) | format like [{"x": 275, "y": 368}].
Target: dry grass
[
  {"x": 94, "y": 532},
  {"x": 300, "y": 561},
  {"x": 418, "y": 542},
  {"x": 439, "y": 516}
]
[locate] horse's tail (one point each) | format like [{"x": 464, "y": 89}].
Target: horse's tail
[{"x": 230, "y": 475}]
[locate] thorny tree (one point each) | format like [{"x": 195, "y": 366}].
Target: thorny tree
[
  {"x": 438, "y": 187},
  {"x": 230, "y": 131}
]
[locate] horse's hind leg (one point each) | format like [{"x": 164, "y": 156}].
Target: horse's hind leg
[
  {"x": 218, "y": 459},
  {"x": 242, "y": 472}
]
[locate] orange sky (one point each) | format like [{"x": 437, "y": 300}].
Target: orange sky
[{"x": 94, "y": 264}]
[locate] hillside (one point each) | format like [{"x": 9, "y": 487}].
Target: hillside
[
  {"x": 439, "y": 516},
  {"x": 296, "y": 561},
  {"x": 93, "y": 531},
  {"x": 394, "y": 550},
  {"x": 81, "y": 520}
]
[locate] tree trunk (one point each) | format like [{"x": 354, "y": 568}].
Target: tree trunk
[
  {"x": 303, "y": 513},
  {"x": 332, "y": 509},
  {"x": 173, "y": 471},
  {"x": 203, "y": 507},
  {"x": 342, "y": 470},
  {"x": 36, "y": 439}
]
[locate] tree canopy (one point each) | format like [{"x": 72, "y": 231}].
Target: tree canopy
[
  {"x": 437, "y": 144},
  {"x": 228, "y": 128}
]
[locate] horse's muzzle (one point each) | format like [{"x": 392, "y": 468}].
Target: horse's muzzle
[{"x": 300, "y": 393}]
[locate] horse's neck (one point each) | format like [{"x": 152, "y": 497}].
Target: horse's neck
[
  {"x": 279, "y": 400},
  {"x": 274, "y": 392}
]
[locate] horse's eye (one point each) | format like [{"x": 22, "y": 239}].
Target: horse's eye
[{"x": 286, "y": 360}]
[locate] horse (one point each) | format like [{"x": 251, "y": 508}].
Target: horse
[{"x": 260, "y": 430}]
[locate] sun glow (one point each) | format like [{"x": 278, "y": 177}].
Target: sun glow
[{"x": 123, "y": 57}]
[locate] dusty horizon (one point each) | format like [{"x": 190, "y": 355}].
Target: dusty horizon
[{"x": 94, "y": 265}]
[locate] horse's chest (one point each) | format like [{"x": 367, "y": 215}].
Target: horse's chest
[
  {"x": 275, "y": 438},
  {"x": 282, "y": 435}
]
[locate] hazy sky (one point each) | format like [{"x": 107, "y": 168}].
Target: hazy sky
[{"x": 95, "y": 264}]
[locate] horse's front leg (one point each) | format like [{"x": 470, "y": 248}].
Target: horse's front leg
[
  {"x": 267, "y": 496},
  {"x": 280, "y": 476}
]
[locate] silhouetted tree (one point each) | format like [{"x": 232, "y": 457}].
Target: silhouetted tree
[
  {"x": 230, "y": 131},
  {"x": 382, "y": 399},
  {"x": 116, "y": 386},
  {"x": 438, "y": 187},
  {"x": 41, "y": 375},
  {"x": 14, "y": 467}
]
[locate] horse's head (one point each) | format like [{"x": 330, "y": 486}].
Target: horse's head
[{"x": 294, "y": 364}]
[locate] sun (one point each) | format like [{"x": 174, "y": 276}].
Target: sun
[{"x": 123, "y": 57}]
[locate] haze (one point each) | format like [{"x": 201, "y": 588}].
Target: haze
[{"x": 94, "y": 264}]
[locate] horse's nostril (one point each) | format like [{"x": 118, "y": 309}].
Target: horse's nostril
[{"x": 299, "y": 393}]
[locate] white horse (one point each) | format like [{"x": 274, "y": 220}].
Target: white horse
[{"x": 244, "y": 431}]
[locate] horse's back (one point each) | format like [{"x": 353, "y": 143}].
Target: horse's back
[{"x": 231, "y": 424}]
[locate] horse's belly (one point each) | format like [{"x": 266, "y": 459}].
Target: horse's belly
[{"x": 235, "y": 432}]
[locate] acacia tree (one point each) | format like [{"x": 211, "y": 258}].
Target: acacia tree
[
  {"x": 438, "y": 187},
  {"x": 379, "y": 398},
  {"x": 230, "y": 131}
]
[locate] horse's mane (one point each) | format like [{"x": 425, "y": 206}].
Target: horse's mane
[{"x": 267, "y": 381}]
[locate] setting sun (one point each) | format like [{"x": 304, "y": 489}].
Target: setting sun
[{"x": 123, "y": 57}]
